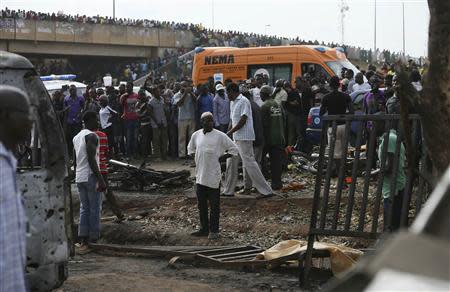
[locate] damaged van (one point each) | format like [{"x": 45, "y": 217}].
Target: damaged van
[{"x": 41, "y": 174}]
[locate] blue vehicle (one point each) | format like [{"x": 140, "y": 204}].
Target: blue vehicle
[{"x": 314, "y": 126}]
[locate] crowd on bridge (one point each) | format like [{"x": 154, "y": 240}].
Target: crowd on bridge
[{"x": 204, "y": 36}]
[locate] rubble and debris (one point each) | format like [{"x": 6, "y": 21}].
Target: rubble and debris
[{"x": 129, "y": 177}]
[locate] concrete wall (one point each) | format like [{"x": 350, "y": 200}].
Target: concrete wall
[{"x": 53, "y": 37}]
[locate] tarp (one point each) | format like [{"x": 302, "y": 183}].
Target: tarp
[{"x": 341, "y": 257}]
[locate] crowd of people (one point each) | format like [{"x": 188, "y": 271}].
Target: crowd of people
[
  {"x": 258, "y": 120},
  {"x": 207, "y": 37}
]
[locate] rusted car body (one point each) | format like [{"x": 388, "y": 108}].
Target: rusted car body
[{"x": 41, "y": 173}]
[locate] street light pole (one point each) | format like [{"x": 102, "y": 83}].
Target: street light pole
[
  {"x": 265, "y": 28},
  {"x": 375, "y": 30},
  {"x": 114, "y": 9},
  {"x": 403, "y": 11},
  {"x": 212, "y": 13}
]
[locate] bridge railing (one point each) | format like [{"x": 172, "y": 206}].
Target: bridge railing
[{"x": 56, "y": 31}]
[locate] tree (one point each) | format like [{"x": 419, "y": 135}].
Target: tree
[{"x": 433, "y": 102}]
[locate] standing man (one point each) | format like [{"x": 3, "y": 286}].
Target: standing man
[
  {"x": 349, "y": 74},
  {"x": 396, "y": 198},
  {"x": 243, "y": 134},
  {"x": 75, "y": 105},
  {"x": 302, "y": 84},
  {"x": 294, "y": 114},
  {"x": 128, "y": 101},
  {"x": 256, "y": 90},
  {"x": 104, "y": 156},
  {"x": 107, "y": 115},
  {"x": 360, "y": 85},
  {"x": 87, "y": 176},
  {"x": 258, "y": 143},
  {"x": 280, "y": 95},
  {"x": 273, "y": 121},
  {"x": 204, "y": 101},
  {"x": 210, "y": 147},
  {"x": 15, "y": 125},
  {"x": 221, "y": 109},
  {"x": 172, "y": 123},
  {"x": 145, "y": 127},
  {"x": 336, "y": 103},
  {"x": 185, "y": 101},
  {"x": 159, "y": 124}
]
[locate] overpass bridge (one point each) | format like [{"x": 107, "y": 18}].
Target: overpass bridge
[{"x": 37, "y": 37}]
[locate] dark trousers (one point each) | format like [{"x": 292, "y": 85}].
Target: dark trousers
[
  {"x": 111, "y": 142},
  {"x": 71, "y": 131},
  {"x": 146, "y": 140},
  {"x": 396, "y": 212},
  {"x": 275, "y": 158},
  {"x": 160, "y": 142},
  {"x": 173, "y": 139},
  {"x": 131, "y": 130},
  {"x": 205, "y": 194},
  {"x": 293, "y": 128}
]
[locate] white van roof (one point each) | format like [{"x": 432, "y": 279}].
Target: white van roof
[{"x": 57, "y": 84}]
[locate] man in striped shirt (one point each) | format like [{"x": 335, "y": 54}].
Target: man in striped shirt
[
  {"x": 15, "y": 125},
  {"x": 243, "y": 135},
  {"x": 103, "y": 165}
]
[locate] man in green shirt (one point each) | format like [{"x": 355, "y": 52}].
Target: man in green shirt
[
  {"x": 400, "y": 182},
  {"x": 272, "y": 118}
]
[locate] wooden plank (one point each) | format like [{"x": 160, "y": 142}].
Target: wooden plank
[
  {"x": 253, "y": 255},
  {"x": 248, "y": 258},
  {"x": 141, "y": 250},
  {"x": 231, "y": 249},
  {"x": 199, "y": 249},
  {"x": 236, "y": 253}
]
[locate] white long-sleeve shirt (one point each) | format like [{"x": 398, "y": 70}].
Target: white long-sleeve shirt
[{"x": 208, "y": 148}]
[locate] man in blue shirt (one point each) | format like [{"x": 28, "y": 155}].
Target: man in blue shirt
[
  {"x": 204, "y": 102},
  {"x": 75, "y": 105},
  {"x": 221, "y": 109}
]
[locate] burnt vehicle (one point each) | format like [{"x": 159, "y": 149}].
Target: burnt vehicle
[{"x": 41, "y": 175}]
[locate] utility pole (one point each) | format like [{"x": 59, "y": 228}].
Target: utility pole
[
  {"x": 265, "y": 28},
  {"x": 212, "y": 13},
  {"x": 403, "y": 11},
  {"x": 114, "y": 9},
  {"x": 343, "y": 8},
  {"x": 375, "y": 31}
]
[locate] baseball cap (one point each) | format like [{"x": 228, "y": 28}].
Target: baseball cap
[{"x": 219, "y": 87}]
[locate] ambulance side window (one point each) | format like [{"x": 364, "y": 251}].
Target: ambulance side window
[
  {"x": 275, "y": 71},
  {"x": 315, "y": 71}
]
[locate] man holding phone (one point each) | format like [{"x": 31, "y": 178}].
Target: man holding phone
[
  {"x": 89, "y": 180},
  {"x": 185, "y": 101}
]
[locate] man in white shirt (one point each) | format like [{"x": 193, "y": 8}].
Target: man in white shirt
[
  {"x": 106, "y": 114},
  {"x": 243, "y": 135},
  {"x": 360, "y": 85},
  {"x": 256, "y": 91},
  {"x": 210, "y": 146},
  {"x": 89, "y": 180}
]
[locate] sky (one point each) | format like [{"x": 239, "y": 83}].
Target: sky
[{"x": 308, "y": 19}]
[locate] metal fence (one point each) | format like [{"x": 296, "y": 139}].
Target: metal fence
[{"x": 351, "y": 174}]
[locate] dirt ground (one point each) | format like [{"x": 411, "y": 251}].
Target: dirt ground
[{"x": 166, "y": 217}]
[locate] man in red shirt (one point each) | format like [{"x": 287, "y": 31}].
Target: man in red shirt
[
  {"x": 131, "y": 119},
  {"x": 103, "y": 165}
]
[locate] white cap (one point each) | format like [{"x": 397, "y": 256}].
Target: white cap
[
  {"x": 206, "y": 114},
  {"x": 219, "y": 87}
]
